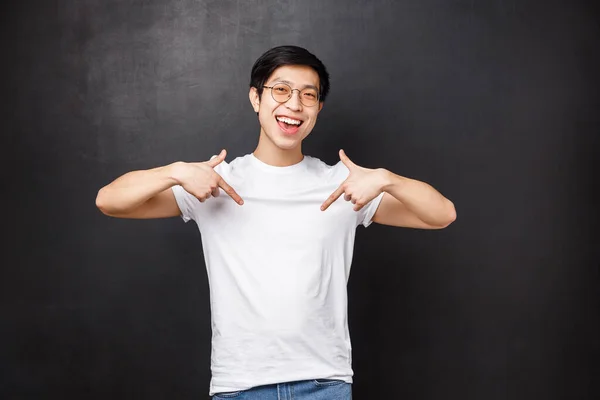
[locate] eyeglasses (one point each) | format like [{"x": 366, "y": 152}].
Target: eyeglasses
[{"x": 282, "y": 92}]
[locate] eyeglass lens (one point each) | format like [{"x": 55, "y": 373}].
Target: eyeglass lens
[{"x": 282, "y": 93}]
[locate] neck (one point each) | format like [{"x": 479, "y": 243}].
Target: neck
[{"x": 267, "y": 152}]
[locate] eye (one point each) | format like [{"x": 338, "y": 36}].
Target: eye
[{"x": 281, "y": 87}]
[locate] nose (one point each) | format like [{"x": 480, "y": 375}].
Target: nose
[{"x": 294, "y": 102}]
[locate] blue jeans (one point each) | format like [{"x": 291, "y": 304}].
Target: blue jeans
[{"x": 315, "y": 389}]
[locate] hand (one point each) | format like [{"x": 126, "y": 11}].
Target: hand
[
  {"x": 201, "y": 180},
  {"x": 361, "y": 186}
]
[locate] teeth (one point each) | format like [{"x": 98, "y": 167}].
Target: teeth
[{"x": 288, "y": 120}]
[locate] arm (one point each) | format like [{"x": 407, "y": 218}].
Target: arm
[
  {"x": 406, "y": 202},
  {"x": 412, "y": 204},
  {"x": 141, "y": 194},
  {"x": 148, "y": 194}
]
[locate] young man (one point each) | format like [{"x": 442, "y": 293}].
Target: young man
[{"x": 277, "y": 241}]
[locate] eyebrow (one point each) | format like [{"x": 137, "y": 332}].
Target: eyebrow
[{"x": 279, "y": 80}]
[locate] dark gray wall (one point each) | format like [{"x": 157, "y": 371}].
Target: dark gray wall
[{"x": 495, "y": 103}]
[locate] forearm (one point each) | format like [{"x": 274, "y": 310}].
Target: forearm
[
  {"x": 132, "y": 189},
  {"x": 429, "y": 205}
]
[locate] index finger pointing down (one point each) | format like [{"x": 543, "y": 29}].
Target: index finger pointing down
[
  {"x": 334, "y": 196},
  {"x": 230, "y": 191}
]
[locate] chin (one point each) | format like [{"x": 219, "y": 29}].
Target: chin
[{"x": 283, "y": 145}]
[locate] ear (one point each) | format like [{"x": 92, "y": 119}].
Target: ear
[
  {"x": 254, "y": 99},
  {"x": 321, "y": 106}
]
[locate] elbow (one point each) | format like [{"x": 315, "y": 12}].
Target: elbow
[
  {"x": 450, "y": 216},
  {"x": 102, "y": 202},
  {"x": 446, "y": 219}
]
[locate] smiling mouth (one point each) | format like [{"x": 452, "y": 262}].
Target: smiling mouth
[
  {"x": 289, "y": 122},
  {"x": 289, "y": 125}
]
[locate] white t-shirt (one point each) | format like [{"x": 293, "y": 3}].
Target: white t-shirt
[{"x": 278, "y": 269}]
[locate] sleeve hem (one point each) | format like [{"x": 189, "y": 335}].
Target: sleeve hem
[
  {"x": 177, "y": 193},
  {"x": 368, "y": 220}
]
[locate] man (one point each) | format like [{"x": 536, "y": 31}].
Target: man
[{"x": 277, "y": 241}]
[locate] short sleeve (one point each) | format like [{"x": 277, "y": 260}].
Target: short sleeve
[
  {"x": 187, "y": 203},
  {"x": 367, "y": 212}
]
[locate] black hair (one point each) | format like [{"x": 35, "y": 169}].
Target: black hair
[{"x": 288, "y": 55}]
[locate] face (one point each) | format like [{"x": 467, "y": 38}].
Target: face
[{"x": 287, "y": 124}]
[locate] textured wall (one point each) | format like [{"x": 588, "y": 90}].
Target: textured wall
[{"x": 494, "y": 103}]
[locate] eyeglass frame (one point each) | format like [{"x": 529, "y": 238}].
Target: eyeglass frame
[{"x": 292, "y": 93}]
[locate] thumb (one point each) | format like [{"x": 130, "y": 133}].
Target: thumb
[
  {"x": 216, "y": 160},
  {"x": 347, "y": 162}
]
